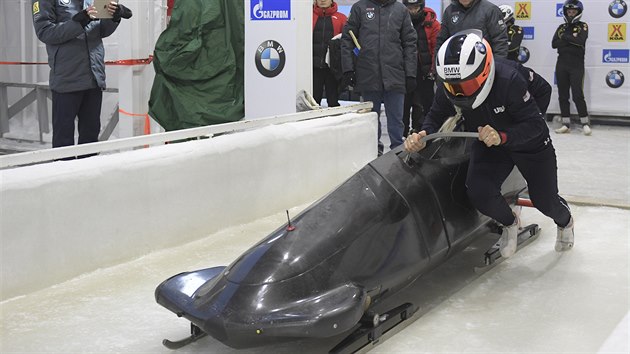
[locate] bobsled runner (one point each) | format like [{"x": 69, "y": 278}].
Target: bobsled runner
[{"x": 323, "y": 273}]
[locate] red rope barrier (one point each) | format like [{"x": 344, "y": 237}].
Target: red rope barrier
[{"x": 126, "y": 62}]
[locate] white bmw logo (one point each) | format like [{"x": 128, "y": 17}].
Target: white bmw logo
[
  {"x": 614, "y": 79},
  {"x": 64, "y": 2},
  {"x": 270, "y": 58},
  {"x": 369, "y": 15},
  {"x": 455, "y": 18}
]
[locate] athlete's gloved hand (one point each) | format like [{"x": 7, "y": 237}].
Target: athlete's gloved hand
[
  {"x": 121, "y": 11},
  {"x": 489, "y": 136},
  {"x": 84, "y": 17},
  {"x": 349, "y": 78},
  {"x": 410, "y": 84},
  {"x": 413, "y": 142}
]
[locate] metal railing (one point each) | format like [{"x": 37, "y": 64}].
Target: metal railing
[
  {"x": 39, "y": 93},
  {"x": 39, "y": 156}
]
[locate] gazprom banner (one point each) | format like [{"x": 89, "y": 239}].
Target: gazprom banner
[
  {"x": 270, "y": 58},
  {"x": 606, "y": 82}
]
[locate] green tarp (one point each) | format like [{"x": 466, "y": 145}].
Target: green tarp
[{"x": 198, "y": 63}]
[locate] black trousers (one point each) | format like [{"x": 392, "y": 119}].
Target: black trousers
[
  {"x": 417, "y": 104},
  {"x": 324, "y": 78},
  {"x": 489, "y": 167},
  {"x": 66, "y": 106},
  {"x": 571, "y": 76}
]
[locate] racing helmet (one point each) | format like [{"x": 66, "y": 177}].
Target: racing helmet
[
  {"x": 465, "y": 67},
  {"x": 572, "y": 4},
  {"x": 508, "y": 13}
]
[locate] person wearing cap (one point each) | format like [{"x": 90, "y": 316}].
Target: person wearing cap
[
  {"x": 418, "y": 101},
  {"x": 491, "y": 97},
  {"x": 477, "y": 14},
  {"x": 514, "y": 32},
  {"x": 570, "y": 41}
]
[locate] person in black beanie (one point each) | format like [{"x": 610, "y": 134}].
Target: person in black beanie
[{"x": 418, "y": 102}]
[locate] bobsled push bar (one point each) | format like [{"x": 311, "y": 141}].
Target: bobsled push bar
[{"x": 443, "y": 135}]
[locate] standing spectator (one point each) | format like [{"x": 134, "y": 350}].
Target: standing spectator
[
  {"x": 570, "y": 41},
  {"x": 386, "y": 63},
  {"x": 418, "y": 102},
  {"x": 493, "y": 97},
  {"x": 73, "y": 37},
  {"x": 475, "y": 14},
  {"x": 327, "y": 23},
  {"x": 514, "y": 32}
]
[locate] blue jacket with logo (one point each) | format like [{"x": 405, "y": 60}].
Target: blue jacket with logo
[
  {"x": 388, "y": 45},
  {"x": 509, "y": 108},
  {"x": 75, "y": 54}
]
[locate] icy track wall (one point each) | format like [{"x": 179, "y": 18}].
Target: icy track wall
[{"x": 63, "y": 219}]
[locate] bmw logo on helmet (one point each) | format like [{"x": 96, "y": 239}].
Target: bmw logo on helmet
[
  {"x": 270, "y": 58},
  {"x": 617, "y": 8},
  {"x": 614, "y": 79},
  {"x": 523, "y": 55},
  {"x": 369, "y": 15}
]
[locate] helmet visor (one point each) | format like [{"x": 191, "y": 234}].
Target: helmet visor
[{"x": 464, "y": 88}]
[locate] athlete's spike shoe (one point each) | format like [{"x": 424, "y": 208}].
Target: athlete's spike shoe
[
  {"x": 509, "y": 239},
  {"x": 564, "y": 240}
]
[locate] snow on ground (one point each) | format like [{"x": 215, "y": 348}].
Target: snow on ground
[{"x": 537, "y": 301}]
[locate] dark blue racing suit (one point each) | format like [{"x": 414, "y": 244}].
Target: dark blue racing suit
[{"x": 510, "y": 109}]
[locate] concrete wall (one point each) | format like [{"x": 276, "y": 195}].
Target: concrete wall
[{"x": 62, "y": 219}]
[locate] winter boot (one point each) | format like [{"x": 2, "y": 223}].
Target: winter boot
[
  {"x": 509, "y": 239},
  {"x": 586, "y": 125},
  {"x": 564, "y": 240}
]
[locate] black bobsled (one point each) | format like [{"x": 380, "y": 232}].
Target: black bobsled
[{"x": 393, "y": 221}]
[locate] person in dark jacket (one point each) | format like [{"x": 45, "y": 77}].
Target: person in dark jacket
[
  {"x": 385, "y": 64},
  {"x": 73, "y": 37},
  {"x": 418, "y": 101},
  {"x": 570, "y": 41},
  {"x": 492, "y": 97},
  {"x": 327, "y": 23},
  {"x": 514, "y": 32},
  {"x": 480, "y": 14}
]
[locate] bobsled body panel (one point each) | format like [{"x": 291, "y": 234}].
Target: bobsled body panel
[{"x": 372, "y": 236}]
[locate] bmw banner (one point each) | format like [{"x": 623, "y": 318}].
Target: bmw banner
[{"x": 272, "y": 54}]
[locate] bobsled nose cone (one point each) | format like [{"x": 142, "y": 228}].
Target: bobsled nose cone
[{"x": 176, "y": 292}]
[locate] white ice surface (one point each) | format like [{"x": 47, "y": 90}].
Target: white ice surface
[{"x": 537, "y": 301}]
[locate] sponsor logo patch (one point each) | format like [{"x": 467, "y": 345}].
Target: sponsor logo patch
[
  {"x": 617, "y": 8},
  {"x": 270, "y": 58},
  {"x": 528, "y": 33},
  {"x": 614, "y": 79},
  {"x": 277, "y": 10},
  {"x": 523, "y": 10},
  {"x": 616, "y": 56},
  {"x": 616, "y": 32}
]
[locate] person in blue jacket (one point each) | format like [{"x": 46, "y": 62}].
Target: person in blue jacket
[
  {"x": 73, "y": 36},
  {"x": 492, "y": 97}
]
